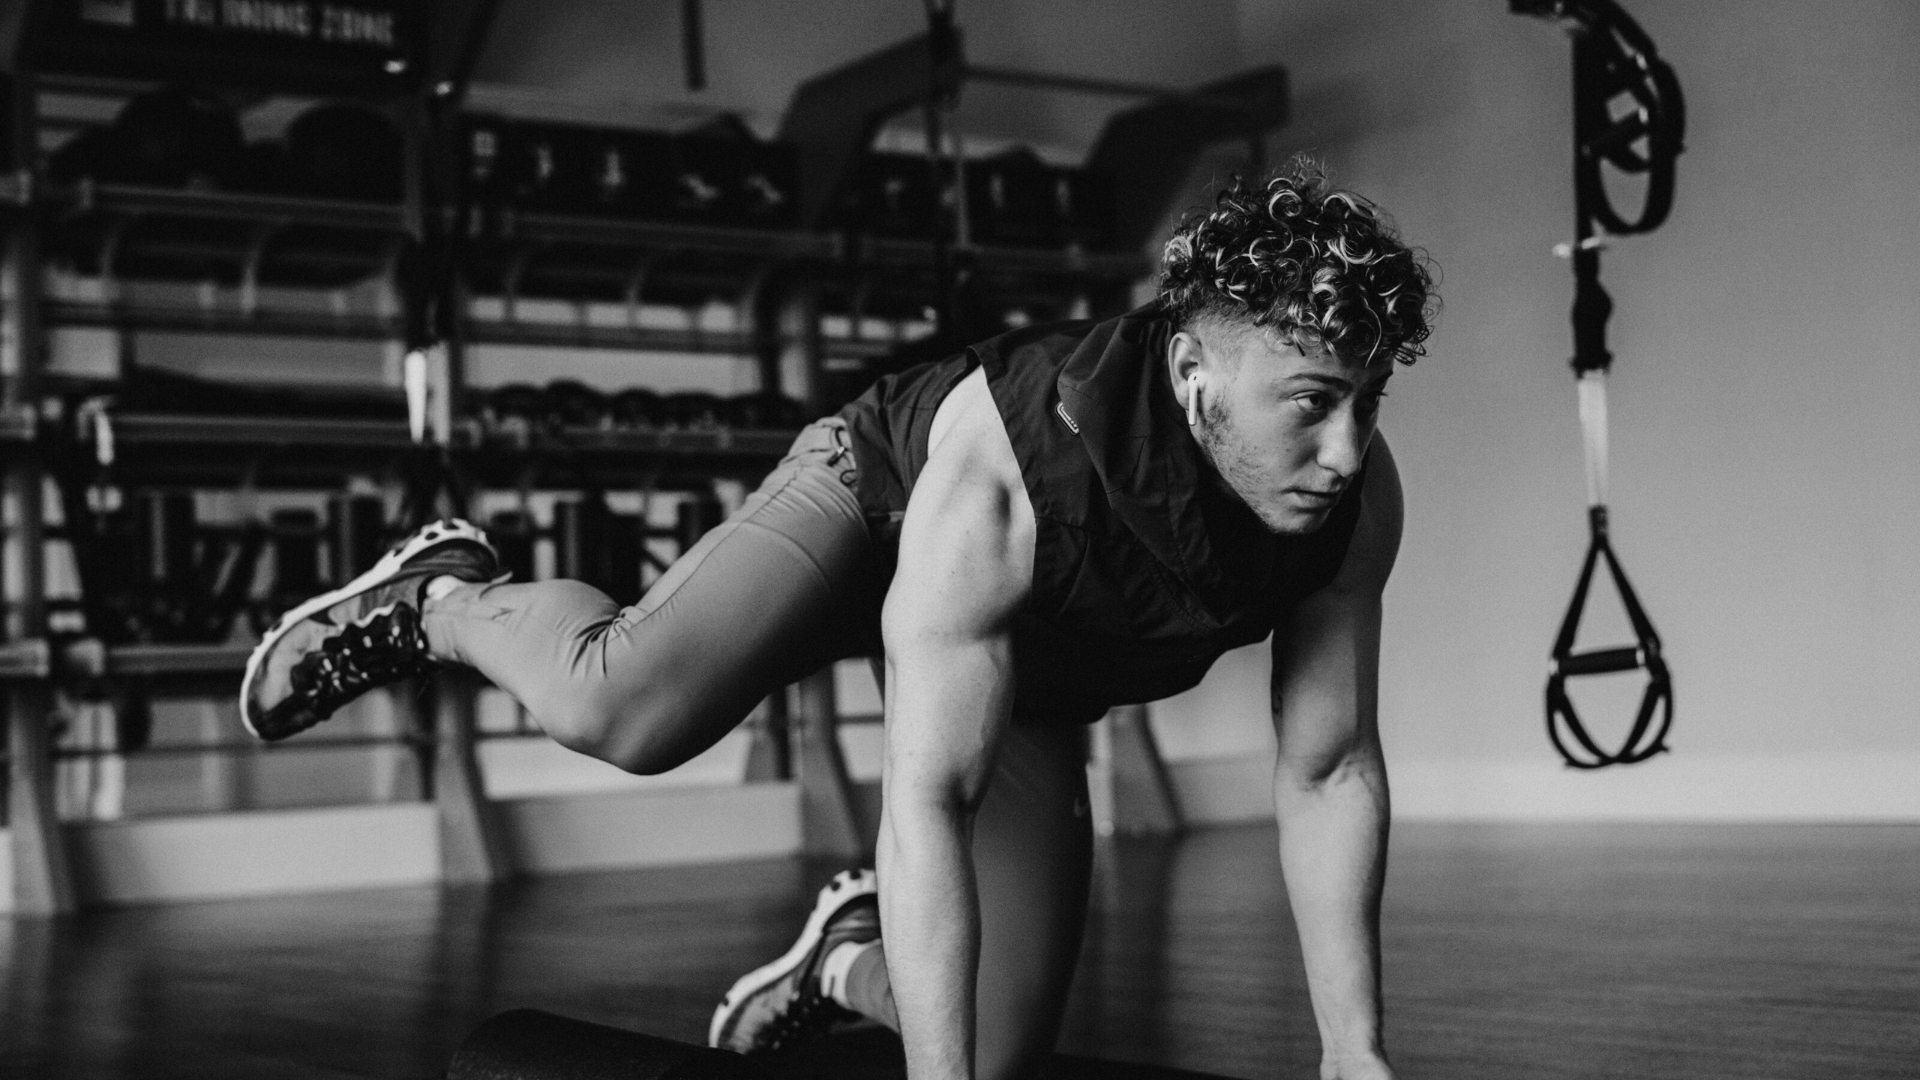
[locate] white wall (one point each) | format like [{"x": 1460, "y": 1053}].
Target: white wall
[{"x": 1766, "y": 461}]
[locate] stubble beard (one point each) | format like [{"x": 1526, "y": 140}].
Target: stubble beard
[{"x": 1238, "y": 469}]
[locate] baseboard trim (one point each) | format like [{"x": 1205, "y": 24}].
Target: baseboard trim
[{"x": 1679, "y": 787}]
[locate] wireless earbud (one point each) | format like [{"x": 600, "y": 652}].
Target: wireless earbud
[{"x": 1193, "y": 399}]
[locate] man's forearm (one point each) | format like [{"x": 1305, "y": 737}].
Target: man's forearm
[
  {"x": 1333, "y": 832},
  {"x": 932, "y": 919}
]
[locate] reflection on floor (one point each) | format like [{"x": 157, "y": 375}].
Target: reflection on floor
[{"x": 1511, "y": 951}]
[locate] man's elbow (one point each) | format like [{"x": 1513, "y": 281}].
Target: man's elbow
[
  {"x": 927, "y": 798},
  {"x": 1306, "y": 775}
]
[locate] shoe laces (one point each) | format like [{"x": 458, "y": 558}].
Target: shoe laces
[{"x": 384, "y": 646}]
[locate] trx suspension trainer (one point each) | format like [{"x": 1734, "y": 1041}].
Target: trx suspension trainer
[{"x": 1627, "y": 112}]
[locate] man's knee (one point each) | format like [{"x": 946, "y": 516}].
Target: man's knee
[{"x": 643, "y": 732}]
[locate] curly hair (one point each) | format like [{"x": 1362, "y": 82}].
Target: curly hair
[{"x": 1321, "y": 266}]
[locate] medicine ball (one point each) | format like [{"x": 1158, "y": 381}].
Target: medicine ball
[
  {"x": 638, "y": 408},
  {"x": 174, "y": 137},
  {"x": 344, "y": 151}
]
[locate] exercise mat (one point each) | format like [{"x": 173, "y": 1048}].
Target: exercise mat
[{"x": 527, "y": 1044}]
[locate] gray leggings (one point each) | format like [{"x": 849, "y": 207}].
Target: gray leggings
[{"x": 787, "y": 585}]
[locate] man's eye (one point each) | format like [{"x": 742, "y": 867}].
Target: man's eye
[
  {"x": 1313, "y": 403},
  {"x": 1370, "y": 404}
]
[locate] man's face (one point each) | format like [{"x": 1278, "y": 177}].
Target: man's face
[{"x": 1285, "y": 429}]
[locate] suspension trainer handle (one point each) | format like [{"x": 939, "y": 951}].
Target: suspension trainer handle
[{"x": 1647, "y": 737}]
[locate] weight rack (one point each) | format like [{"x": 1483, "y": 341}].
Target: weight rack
[{"x": 788, "y": 285}]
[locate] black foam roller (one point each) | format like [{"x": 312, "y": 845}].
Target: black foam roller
[{"x": 527, "y": 1044}]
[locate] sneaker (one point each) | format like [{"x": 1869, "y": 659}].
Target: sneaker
[
  {"x": 778, "y": 1005},
  {"x": 367, "y": 633}
]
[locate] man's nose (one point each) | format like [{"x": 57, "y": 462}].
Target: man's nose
[{"x": 1343, "y": 443}]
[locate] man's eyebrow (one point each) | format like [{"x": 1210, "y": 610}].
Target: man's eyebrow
[{"x": 1335, "y": 382}]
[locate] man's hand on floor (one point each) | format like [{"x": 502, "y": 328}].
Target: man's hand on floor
[{"x": 1368, "y": 1069}]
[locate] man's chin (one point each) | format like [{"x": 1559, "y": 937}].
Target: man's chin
[{"x": 1291, "y": 520}]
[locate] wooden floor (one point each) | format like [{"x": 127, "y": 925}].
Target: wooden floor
[{"x": 1537, "y": 951}]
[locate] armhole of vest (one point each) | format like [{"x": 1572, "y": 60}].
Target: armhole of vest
[{"x": 1063, "y": 547}]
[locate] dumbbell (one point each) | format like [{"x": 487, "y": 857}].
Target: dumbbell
[
  {"x": 727, "y": 175},
  {"x": 521, "y": 403},
  {"x": 894, "y": 195},
  {"x": 695, "y": 410},
  {"x": 570, "y": 403},
  {"x": 765, "y": 409},
  {"x": 527, "y": 1044},
  {"x": 569, "y": 169}
]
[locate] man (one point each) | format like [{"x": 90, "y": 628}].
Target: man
[{"x": 1058, "y": 520}]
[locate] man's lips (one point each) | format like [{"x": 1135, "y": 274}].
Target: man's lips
[{"x": 1315, "y": 498}]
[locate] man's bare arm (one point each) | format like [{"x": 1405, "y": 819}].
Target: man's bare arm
[
  {"x": 1330, "y": 782},
  {"x": 966, "y": 563}
]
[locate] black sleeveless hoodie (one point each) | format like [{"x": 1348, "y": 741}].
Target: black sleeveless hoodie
[{"x": 1144, "y": 571}]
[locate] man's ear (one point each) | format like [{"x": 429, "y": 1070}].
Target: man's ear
[{"x": 1183, "y": 360}]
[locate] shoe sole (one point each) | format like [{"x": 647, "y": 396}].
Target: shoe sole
[
  {"x": 381, "y": 572},
  {"x": 846, "y": 886}
]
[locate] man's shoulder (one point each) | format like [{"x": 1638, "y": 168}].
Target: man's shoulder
[{"x": 1058, "y": 338}]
